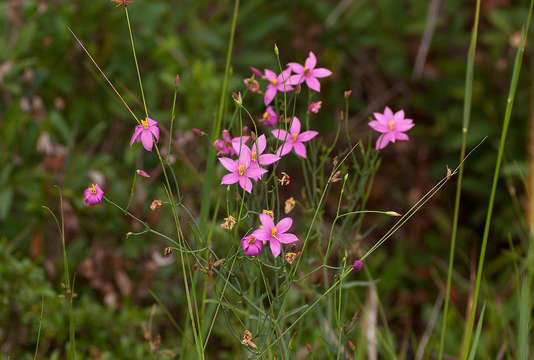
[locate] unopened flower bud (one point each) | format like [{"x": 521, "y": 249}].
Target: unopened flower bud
[
  {"x": 177, "y": 80},
  {"x": 276, "y": 50},
  {"x": 347, "y": 93},
  {"x": 357, "y": 265},
  {"x": 237, "y": 98}
]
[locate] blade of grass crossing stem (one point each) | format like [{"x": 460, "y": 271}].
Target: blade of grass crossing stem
[
  {"x": 524, "y": 320},
  {"x": 507, "y": 115},
  {"x": 39, "y": 331},
  {"x": 210, "y": 165},
  {"x": 477, "y": 334},
  {"x": 465, "y": 128}
]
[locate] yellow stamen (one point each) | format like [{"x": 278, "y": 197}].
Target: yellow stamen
[
  {"x": 251, "y": 240},
  {"x": 253, "y": 156},
  {"x": 240, "y": 170},
  {"x": 266, "y": 115},
  {"x": 274, "y": 82},
  {"x": 144, "y": 123},
  {"x": 93, "y": 189},
  {"x": 294, "y": 136},
  {"x": 391, "y": 125},
  {"x": 273, "y": 232}
]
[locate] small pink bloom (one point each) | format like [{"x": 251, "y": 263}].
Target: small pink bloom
[
  {"x": 241, "y": 170},
  {"x": 308, "y": 73},
  {"x": 357, "y": 265},
  {"x": 198, "y": 132},
  {"x": 142, "y": 173},
  {"x": 251, "y": 246},
  {"x": 257, "y": 157},
  {"x": 276, "y": 83},
  {"x": 314, "y": 107},
  {"x": 224, "y": 145},
  {"x": 144, "y": 133},
  {"x": 93, "y": 195},
  {"x": 269, "y": 117},
  {"x": 392, "y": 126},
  {"x": 294, "y": 139},
  {"x": 275, "y": 234}
]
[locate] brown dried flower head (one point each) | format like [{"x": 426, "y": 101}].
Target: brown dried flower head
[
  {"x": 167, "y": 251},
  {"x": 247, "y": 339},
  {"x": 228, "y": 223},
  {"x": 285, "y": 179},
  {"x": 156, "y": 204},
  {"x": 122, "y": 2},
  {"x": 289, "y": 205},
  {"x": 335, "y": 178},
  {"x": 290, "y": 257},
  {"x": 269, "y": 212},
  {"x": 252, "y": 85}
]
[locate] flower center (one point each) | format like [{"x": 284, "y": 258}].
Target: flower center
[
  {"x": 294, "y": 136},
  {"x": 391, "y": 125},
  {"x": 93, "y": 189},
  {"x": 273, "y": 232},
  {"x": 240, "y": 170},
  {"x": 306, "y": 71},
  {"x": 144, "y": 123},
  {"x": 253, "y": 156},
  {"x": 266, "y": 115},
  {"x": 274, "y": 82},
  {"x": 251, "y": 240}
]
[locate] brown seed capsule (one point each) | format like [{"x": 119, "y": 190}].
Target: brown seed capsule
[
  {"x": 335, "y": 177},
  {"x": 290, "y": 257},
  {"x": 289, "y": 205},
  {"x": 247, "y": 339},
  {"x": 228, "y": 223},
  {"x": 121, "y": 2},
  {"x": 156, "y": 204},
  {"x": 285, "y": 179}
]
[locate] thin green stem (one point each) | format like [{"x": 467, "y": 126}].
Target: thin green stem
[{"x": 465, "y": 128}]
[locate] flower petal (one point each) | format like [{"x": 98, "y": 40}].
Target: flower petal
[
  {"x": 300, "y": 149},
  {"x": 229, "y": 164},
  {"x": 146, "y": 139},
  {"x": 320, "y": 73},
  {"x": 307, "y": 135},
  {"x": 378, "y": 126},
  {"x": 403, "y": 126},
  {"x": 284, "y": 225},
  {"x": 266, "y": 221},
  {"x": 136, "y": 133},
  {"x": 295, "y": 126},
  {"x": 261, "y": 234},
  {"x": 155, "y": 131},
  {"x": 281, "y": 134},
  {"x": 261, "y": 143},
  {"x": 401, "y": 136},
  {"x": 268, "y": 159},
  {"x": 388, "y": 112},
  {"x": 296, "y": 79},
  {"x": 313, "y": 84},
  {"x": 151, "y": 122},
  {"x": 245, "y": 184},
  {"x": 381, "y": 142},
  {"x": 256, "y": 172},
  {"x": 275, "y": 247},
  {"x": 284, "y": 149},
  {"x": 270, "y": 93},
  {"x": 269, "y": 74},
  {"x": 296, "y": 67},
  {"x": 229, "y": 179},
  {"x": 311, "y": 61},
  {"x": 287, "y": 238}
]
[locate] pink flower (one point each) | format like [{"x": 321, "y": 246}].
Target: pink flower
[
  {"x": 93, "y": 195},
  {"x": 314, "y": 107},
  {"x": 142, "y": 173},
  {"x": 294, "y": 139},
  {"x": 257, "y": 157},
  {"x": 198, "y": 132},
  {"x": 144, "y": 133},
  {"x": 392, "y": 126},
  {"x": 276, "y": 83},
  {"x": 275, "y": 234},
  {"x": 357, "y": 265},
  {"x": 224, "y": 145},
  {"x": 251, "y": 246},
  {"x": 240, "y": 170},
  {"x": 308, "y": 73},
  {"x": 269, "y": 117}
]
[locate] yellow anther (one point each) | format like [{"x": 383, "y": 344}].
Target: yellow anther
[
  {"x": 240, "y": 170},
  {"x": 273, "y": 232},
  {"x": 251, "y": 240},
  {"x": 93, "y": 189},
  {"x": 253, "y": 156},
  {"x": 391, "y": 125},
  {"x": 274, "y": 82},
  {"x": 294, "y": 136},
  {"x": 266, "y": 115},
  {"x": 145, "y": 123}
]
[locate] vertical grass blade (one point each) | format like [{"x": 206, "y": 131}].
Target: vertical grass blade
[
  {"x": 216, "y": 129},
  {"x": 477, "y": 334},
  {"x": 510, "y": 102},
  {"x": 524, "y": 320},
  {"x": 465, "y": 128}
]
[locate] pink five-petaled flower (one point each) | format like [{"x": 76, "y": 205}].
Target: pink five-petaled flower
[
  {"x": 314, "y": 107},
  {"x": 240, "y": 170},
  {"x": 294, "y": 139},
  {"x": 93, "y": 195},
  {"x": 276, "y": 83},
  {"x": 308, "y": 73},
  {"x": 257, "y": 157},
  {"x": 257, "y": 72},
  {"x": 269, "y": 117},
  {"x": 144, "y": 133},
  {"x": 275, "y": 234},
  {"x": 224, "y": 145},
  {"x": 392, "y": 126},
  {"x": 251, "y": 246}
]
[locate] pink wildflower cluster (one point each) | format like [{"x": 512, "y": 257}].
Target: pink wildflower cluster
[{"x": 269, "y": 232}]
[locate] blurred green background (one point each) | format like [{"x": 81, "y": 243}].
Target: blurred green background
[{"x": 60, "y": 124}]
